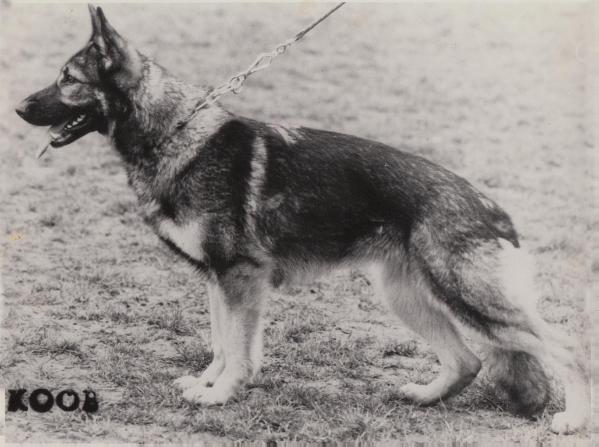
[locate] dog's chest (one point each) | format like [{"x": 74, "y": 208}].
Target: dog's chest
[{"x": 187, "y": 236}]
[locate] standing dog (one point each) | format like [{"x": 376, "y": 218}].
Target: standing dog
[{"x": 254, "y": 205}]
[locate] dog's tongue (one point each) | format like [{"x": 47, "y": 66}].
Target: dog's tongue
[
  {"x": 55, "y": 131},
  {"x": 53, "y": 134}
]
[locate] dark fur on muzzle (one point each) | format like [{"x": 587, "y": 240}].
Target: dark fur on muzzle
[{"x": 44, "y": 108}]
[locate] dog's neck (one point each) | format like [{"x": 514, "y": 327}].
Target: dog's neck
[
  {"x": 147, "y": 131},
  {"x": 146, "y": 134}
]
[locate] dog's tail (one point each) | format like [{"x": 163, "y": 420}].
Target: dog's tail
[{"x": 520, "y": 380}]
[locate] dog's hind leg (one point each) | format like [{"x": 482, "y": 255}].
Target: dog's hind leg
[
  {"x": 241, "y": 289},
  {"x": 489, "y": 288},
  {"x": 410, "y": 298},
  {"x": 566, "y": 357},
  {"x": 533, "y": 342}
]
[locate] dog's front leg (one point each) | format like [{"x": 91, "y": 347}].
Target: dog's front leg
[
  {"x": 240, "y": 290},
  {"x": 211, "y": 373}
]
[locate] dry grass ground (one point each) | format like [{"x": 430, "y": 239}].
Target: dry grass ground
[{"x": 495, "y": 93}]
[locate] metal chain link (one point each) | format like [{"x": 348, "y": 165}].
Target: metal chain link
[{"x": 235, "y": 83}]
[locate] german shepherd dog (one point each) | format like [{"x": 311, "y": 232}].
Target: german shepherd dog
[{"x": 254, "y": 205}]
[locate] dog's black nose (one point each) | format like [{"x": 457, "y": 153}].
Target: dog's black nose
[{"x": 22, "y": 108}]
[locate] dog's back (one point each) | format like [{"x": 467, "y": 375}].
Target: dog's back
[{"x": 332, "y": 191}]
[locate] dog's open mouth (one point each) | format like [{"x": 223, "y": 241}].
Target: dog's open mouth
[
  {"x": 75, "y": 127},
  {"x": 69, "y": 130}
]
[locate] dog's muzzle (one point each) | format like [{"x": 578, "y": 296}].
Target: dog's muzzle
[
  {"x": 22, "y": 109},
  {"x": 44, "y": 108}
]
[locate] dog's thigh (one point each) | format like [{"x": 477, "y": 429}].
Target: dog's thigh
[
  {"x": 495, "y": 281},
  {"x": 242, "y": 289}
]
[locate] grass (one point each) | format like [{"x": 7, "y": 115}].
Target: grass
[
  {"x": 404, "y": 349},
  {"x": 91, "y": 298},
  {"x": 172, "y": 321}
]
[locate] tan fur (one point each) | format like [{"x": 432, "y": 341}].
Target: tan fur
[
  {"x": 256, "y": 182},
  {"x": 288, "y": 133},
  {"x": 218, "y": 338},
  {"x": 410, "y": 297},
  {"x": 188, "y": 236},
  {"x": 528, "y": 333},
  {"x": 503, "y": 275},
  {"x": 552, "y": 347},
  {"x": 238, "y": 305}
]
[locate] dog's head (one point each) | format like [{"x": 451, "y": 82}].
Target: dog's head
[{"x": 90, "y": 88}]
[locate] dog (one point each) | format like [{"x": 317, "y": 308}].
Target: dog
[{"x": 255, "y": 205}]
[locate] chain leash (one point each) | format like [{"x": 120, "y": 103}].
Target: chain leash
[{"x": 235, "y": 83}]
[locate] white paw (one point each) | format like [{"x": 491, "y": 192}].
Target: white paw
[
  {"x": 207, "y": 396},
  {"x": 185, "y": 382},
  {"x": 420, "y": 394},
  {"x": 210, "y": 374},
  {"x": 567, "y": 422}
]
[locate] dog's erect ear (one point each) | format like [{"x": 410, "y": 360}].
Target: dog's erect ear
[
  {"x": 97, "y": 36},
  {"x": 110, "y": 45},
  {"x": 96, "y": 26}
]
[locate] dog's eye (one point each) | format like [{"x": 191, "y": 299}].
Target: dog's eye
[{"x": 67, "y": 78}]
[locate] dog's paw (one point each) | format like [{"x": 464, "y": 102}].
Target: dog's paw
[
  {"x": 186, "y": 382},
  {"x": 420, "y": 394},
  {"x": 211, "y": 373},
  {"x": 567, "y": 422},
  {"x": 207, "y": 396}
]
